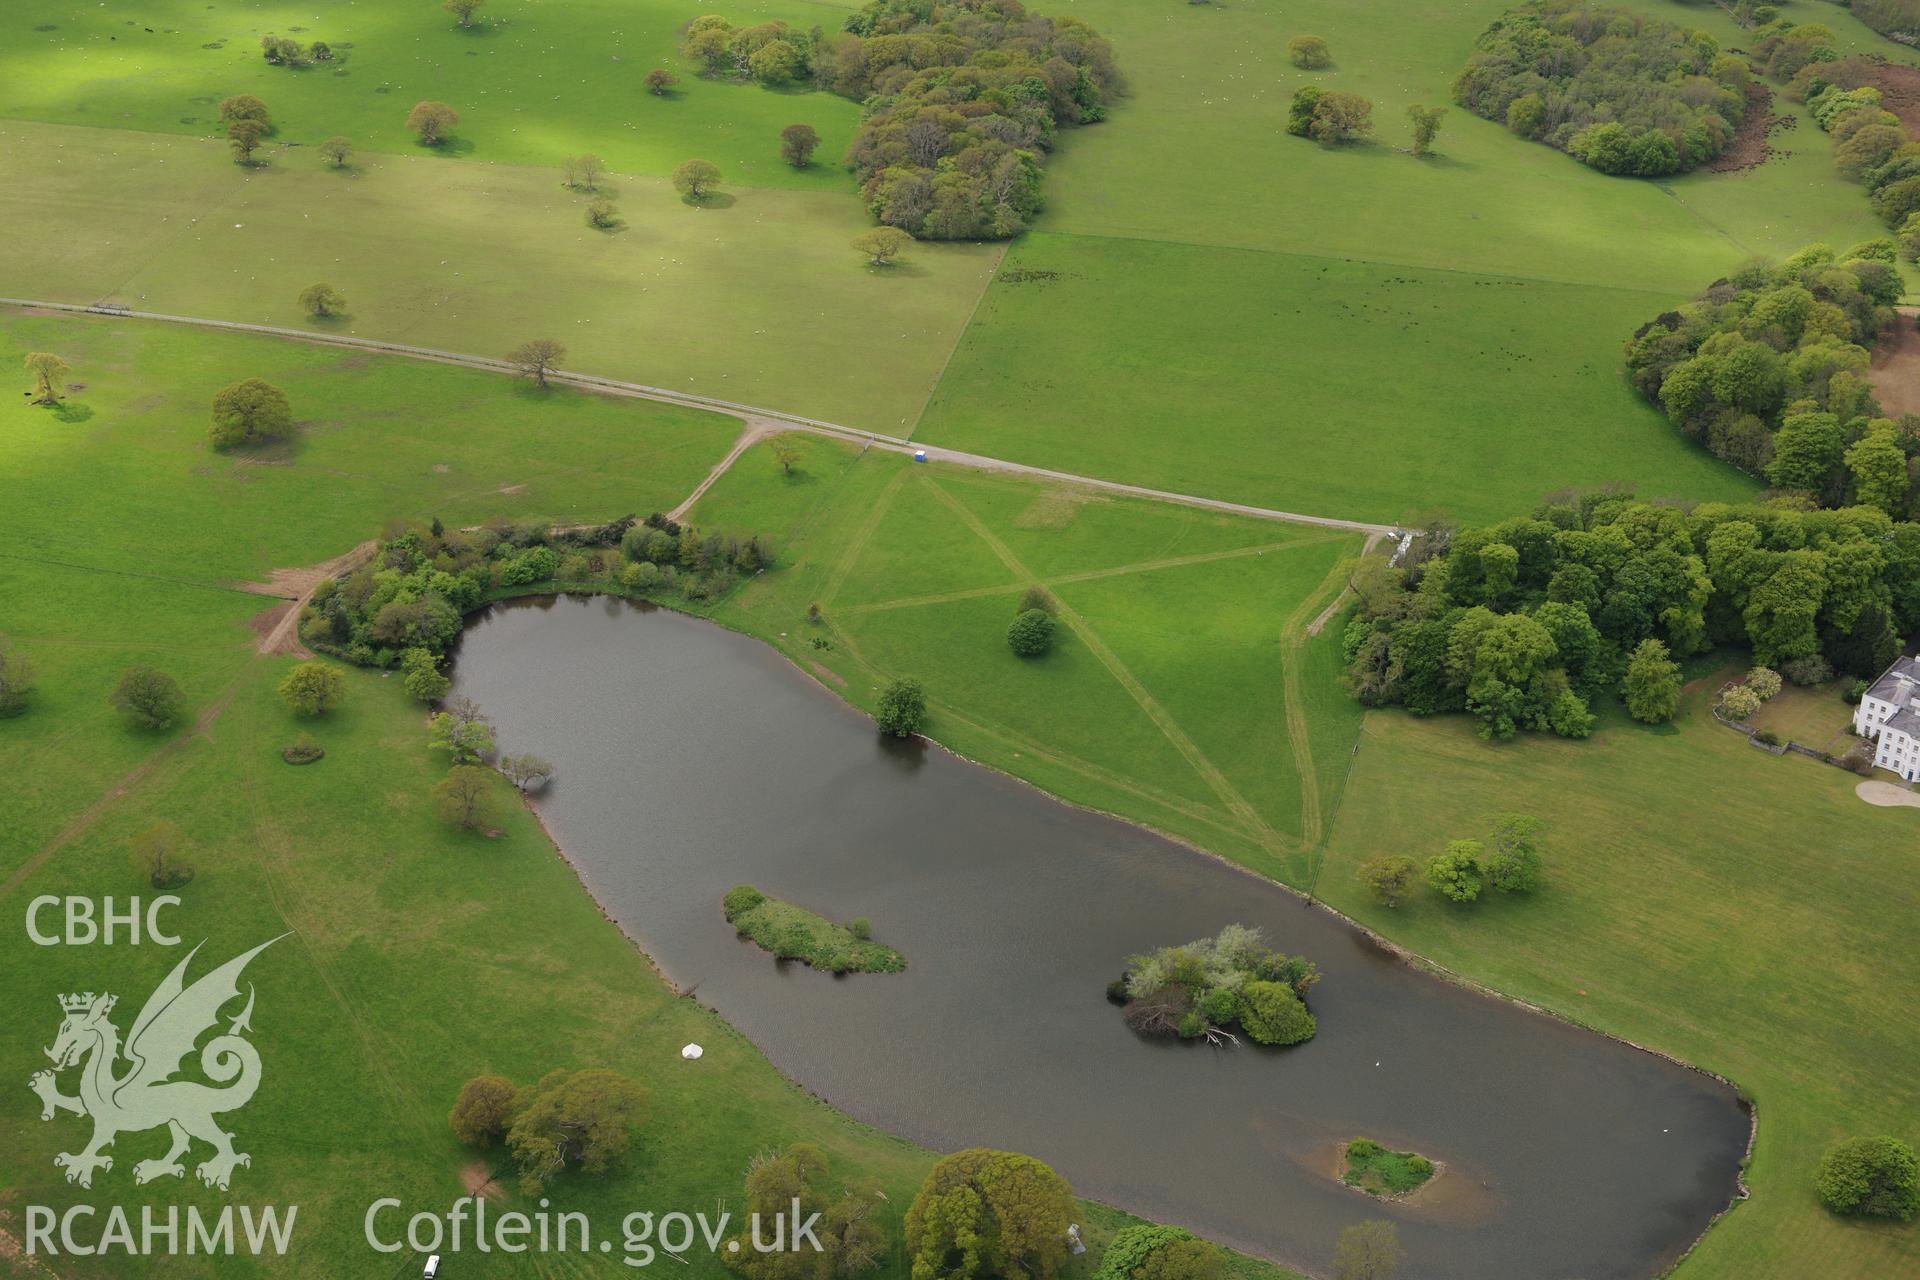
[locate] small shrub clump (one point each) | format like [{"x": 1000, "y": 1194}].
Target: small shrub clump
[{"x": 792, "y": 933}]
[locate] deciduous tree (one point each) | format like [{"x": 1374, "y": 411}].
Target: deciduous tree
[
  {"x": 337, "y": 151},
  {"x": 322, "y": 300},
  {"x": 465, "y": 799},
  {"x": 584, "y": 1118},
  {"x": 1870, "y": 1177},
  {"x": 1456, "y": 872},
  {"x": 527, "y": 772},
  {"x": 158, "y": 855},
  {"x": 1389, "y": 877},
  {"x": 243, "y": 137},
  {"x": 432, "y": 121},
  {"x": 462, "y": 732},
  {"x": 537, "y": 358},
  {"x": 47, "y": 370},
  {"x": 660, "y": 81},
  {"x": 463, "y": 9},
  {"x": 903, "y": 705},
  {"x": 1368, "y": 1251},
  {"x": 696, "y": 179},
  {"x": 1426, "y": 124},
  {"x": 313, "y": 688},
  {"x": 148, "y": 697},
  {"x": 984, "y": 1213},
  {"x": 480, "y": 1114},
  {"x": 1309, "y": 53},
  {"x": 1651, "y": 685},
  {"x": 797, "y": 142},
  {"x": 882, "y": 244},
  {"x": 244, "y": 106},
  {"x": 249, "y": 412}
]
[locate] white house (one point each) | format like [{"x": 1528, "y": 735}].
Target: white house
[{"x": 1889, "y": 713}]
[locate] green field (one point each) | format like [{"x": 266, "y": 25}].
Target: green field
[
  {"x": 1312, "y": 384},
  {"x": 1183, "y": 689},
  {"x": 533, "y": 82},
  {"x": 1355, "y": 332},
  {"x": 760, "y": 301},
  {"x": 1703, "y": 897}
]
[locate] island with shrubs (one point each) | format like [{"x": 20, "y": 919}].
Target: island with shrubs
[
  {"x": 1204, "y": 990},
  {"x": 794, "y": 933},
  {"x": 1388, "y": 1175}
]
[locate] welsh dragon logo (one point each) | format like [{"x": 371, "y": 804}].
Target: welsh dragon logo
[{"x": 146, "y": 1095}]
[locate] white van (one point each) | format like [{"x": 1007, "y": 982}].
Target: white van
[{"x": 433, "y": 1268}]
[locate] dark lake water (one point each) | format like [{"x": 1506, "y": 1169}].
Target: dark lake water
[{"x": 691, "y": 759}]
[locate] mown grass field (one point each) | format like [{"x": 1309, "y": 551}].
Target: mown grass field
[
  {"x": 1183, "y": 689},
  {"x": 1313, "y": 384},
  {"x": 418, "y": 957},
  {"x": 756, "y": 298},
  {"x": 533, "y": 82},
  {"x": 1713, "y": 901}
]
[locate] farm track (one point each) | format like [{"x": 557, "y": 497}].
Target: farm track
[{"x": 766, "y": 420}]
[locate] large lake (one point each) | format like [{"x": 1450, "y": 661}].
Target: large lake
[{"x": 691, "y": 759}]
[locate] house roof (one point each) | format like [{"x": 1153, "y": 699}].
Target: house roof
[
  {"x": 1900, "y": 684},
  {"x": 1904, "y": 721}
]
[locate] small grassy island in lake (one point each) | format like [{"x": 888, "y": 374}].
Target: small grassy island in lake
[
  {"x": 1204, "y": 989},
  {"x": 1379, "y": 1172},
  {"x": 793, "y": 933}
]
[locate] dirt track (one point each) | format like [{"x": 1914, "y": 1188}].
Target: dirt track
[{"x": 1895, "y": 371}]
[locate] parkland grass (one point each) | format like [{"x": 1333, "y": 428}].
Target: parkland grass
[
  {"x": 1708, "y": 899},
  {"x": 758, "y": 300},
  {"x": 533, "y": 83}
]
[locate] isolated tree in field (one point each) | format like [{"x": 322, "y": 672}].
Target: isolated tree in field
[
  {"x": 47, "y": 370},
  {"x": 1652, "y": 684},
  {"x": 797, "y": 142},
  {"x": 313, "y": 688},
  {"x": 431, "y": 121},
  {"x": 659, "y": 81},
  {"x": 1389, "y": 877},
  {"x": 882, "y": 244},
  {"x": 602, "y": 214},
  {"x": 583, "y": 1118},
  {"x": 149, "y": 698},
  {"x": 1368, "y": 1251},
  {"x": 1030, "y": 634},
  {"x": 785, "y": 452},
  {"x": 464, "y": 798},
  {"x": 1870, "y": 1177},
  {"x": 244, "y": 106},
  {"x": 243, "y": 138},
  {"x": 337, "y": 150},
  {"x": 322, "y": 300},
  {"x": 983, "y": 1213},
  {"x": 480, "y": 1114},
  {"x": 537, "y": 358},
  {"x": 461, "y": 731},
  {"x": 463, "y": 9},
  {"x": 1309, "y": 53},
  {"x": 158, "y": 855},
  {"x": 584, "y": 171},
  {"x": 249, "y": 412},
  {"x": 16, "y": 679},
  {"x": 694, "y": 179},
  {"x": 1456, "y": 873},
  {"x": 903, "y": 705},
  {"x": 1426, "y": 124},
  {"x": 527, "y": 772}
]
